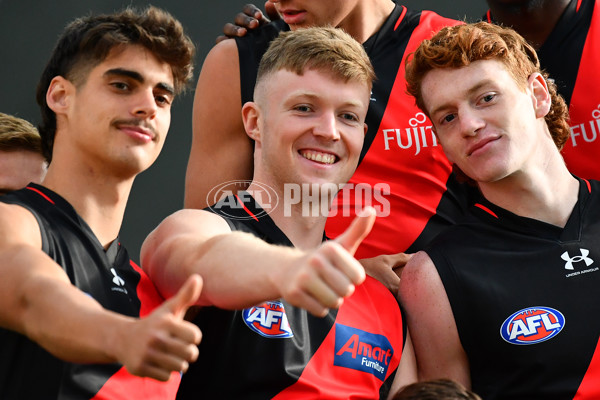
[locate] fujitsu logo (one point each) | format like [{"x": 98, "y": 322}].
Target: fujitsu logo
[
  {"x": 418, "y": 135},
  {"x": 587, "y": 131},
  {"x": 575, "y": 259}
]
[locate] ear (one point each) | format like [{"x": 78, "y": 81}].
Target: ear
[
  {"x": 251, "y": 115},
  {"x": 541, "y": 95},
  {"x": 59, "y": 94}
]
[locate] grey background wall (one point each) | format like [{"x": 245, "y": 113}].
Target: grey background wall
[{"x": 29, "y": 29}]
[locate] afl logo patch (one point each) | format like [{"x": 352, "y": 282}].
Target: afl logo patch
[
  {"x": 268, "y": 320},
  {"x": 532, "y": 325}
]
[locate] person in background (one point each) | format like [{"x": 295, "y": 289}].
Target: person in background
[
  {"x": 21, "y": 159},
  {"x": 78, "y": 319},
  {"x": 495, "y": 302},
  {"x": 566, "y": 36}
]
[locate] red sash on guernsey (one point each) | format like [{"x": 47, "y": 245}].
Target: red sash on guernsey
[
  {"x": 123, "y": 385},
  {"x": 405, "y": 155},
  {"x": 348, "y": 381},
  {"x": 582, "y": 149}
]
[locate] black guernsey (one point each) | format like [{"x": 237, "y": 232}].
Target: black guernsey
[
  {"x": 276, "y": 350},
  {"x": 525, "y": 299},
  {"x": 27, "y": 371}
]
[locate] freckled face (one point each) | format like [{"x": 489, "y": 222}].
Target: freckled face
[{"x": 485, "y": 122}]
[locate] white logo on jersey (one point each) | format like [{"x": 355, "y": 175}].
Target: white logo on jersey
[
  {"x": 372, "y": 98},
  {"x": 417, "y": 136},
  {"x": 583, "y": 257},
  {"x": 117, "y": 280},
  {"x": 586, "y": 131}
]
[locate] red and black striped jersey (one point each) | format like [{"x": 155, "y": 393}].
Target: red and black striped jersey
[
  {"x": 27, "y": 371},
  {"x": 570, "y": 55},
  {"x": 276, "y": 350}
]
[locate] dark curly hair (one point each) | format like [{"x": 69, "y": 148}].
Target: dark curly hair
[
  {"x": 87, "y": 41},
  {"x": 458, "y": 46}
]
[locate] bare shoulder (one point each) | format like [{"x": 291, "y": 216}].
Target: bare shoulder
[
  {"x": 18, "y": 226},
  {"x": 196, "y": 222},
  {"x": 418, "y": 272},
  {"x": 221, "y": 151},
  {"x": 219, "y": 70}
]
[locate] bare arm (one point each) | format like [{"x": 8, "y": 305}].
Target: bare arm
[
  {"x": 35, "y": 292},
  {"x": 221, "y": 151},
  {"x": 240, "y": 270},
  {"x": 431, "y": 323},
  {"x": 407, "y": 369}
]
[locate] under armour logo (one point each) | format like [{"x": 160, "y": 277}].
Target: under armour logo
[
  {"x": 582, "y": 257},
  {"x": 117, "y": 280}
]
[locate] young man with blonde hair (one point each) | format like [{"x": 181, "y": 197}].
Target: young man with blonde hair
[
  {"x": 21, "y": 159},
  {"x": 295, "y": 312}
]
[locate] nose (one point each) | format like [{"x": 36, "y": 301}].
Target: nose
[
  {"x": 470, "y": 122},
  {"x": 145, "y": 105},
  {"x": 326, "y": 127}
]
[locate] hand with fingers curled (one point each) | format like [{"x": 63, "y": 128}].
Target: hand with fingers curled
[
  {"x": 163, "y": 342},
  {"x": 320, "y": 279},
  {"x": 250, "y": 18},
  {"x": 386, "y": 268}
]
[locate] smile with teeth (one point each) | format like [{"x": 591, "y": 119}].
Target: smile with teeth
[{"x": 324, "y": 158}]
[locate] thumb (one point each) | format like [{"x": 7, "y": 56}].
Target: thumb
[
  {"x": 186, "y": 296},
  {"x": 358, "y": 230}
]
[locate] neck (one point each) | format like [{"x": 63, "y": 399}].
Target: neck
[
  {"x": 98, "y": 198},
  {"x": 302, "y": 223},
  {"x": 534, "y": 20},
  {"x": 367, "y": 18},
  {"x": 546, "y": 194}
]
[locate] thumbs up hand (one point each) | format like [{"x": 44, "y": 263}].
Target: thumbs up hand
[
  {"x": 163, "y": 341},
  {"x": 320, "y": 279}
]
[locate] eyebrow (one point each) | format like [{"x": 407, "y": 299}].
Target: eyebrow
[
  {"x": 311, "y": 96},
  {"x": 138, "y": 77},
  {"x": 470, "y": 91}
]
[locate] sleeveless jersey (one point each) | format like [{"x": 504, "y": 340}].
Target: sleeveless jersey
[
  {"x": 571, "y": 56},
  {"x": 276, "y": 350},
  {"x": 403, "y": 171},
  {"x": 525, "y": 297},
  {"x": 27, "y": 371}
]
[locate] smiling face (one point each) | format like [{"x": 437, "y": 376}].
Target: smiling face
[
  {"x": 308, "y": 128},
  {"x": 304, "y": 13},
  {"x": 119, "y": 116},
  {"x": 488, "y": 125}
]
